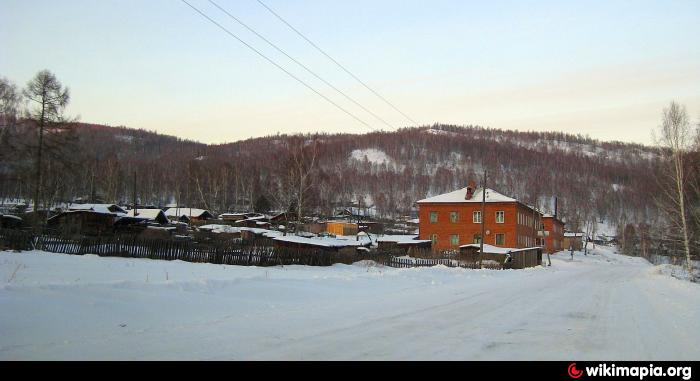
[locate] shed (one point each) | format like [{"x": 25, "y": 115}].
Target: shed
[{"x": 520, "y": 258}]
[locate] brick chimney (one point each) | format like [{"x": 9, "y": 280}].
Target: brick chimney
[{"x": 471, "y": 188}]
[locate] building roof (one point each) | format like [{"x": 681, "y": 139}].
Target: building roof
[
  {"x": 490, "y": 249},
  {"x": 459, "y": 196},
  {"x": 189, "y": 212},
  {"x": 98, "y": 208},
  {"x": 150, "y": 214},
  {"x": 320, "y": 242}
]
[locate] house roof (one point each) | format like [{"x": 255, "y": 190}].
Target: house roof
[
  {"x": 189, "y": 212},
  {"x": 490, "y": 249},
  {"x": 459, "y": 196},
  {"x": 150, "y": 214},
  {"x": 320, "y": 242},
  {"x": 98, "y": 208}
]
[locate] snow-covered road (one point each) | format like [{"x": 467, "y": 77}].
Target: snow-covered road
[{"x": 603, "y": 306}]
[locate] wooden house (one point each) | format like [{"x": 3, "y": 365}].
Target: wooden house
[
  {"x": 151, "y": 215},
  {"x": 189, "y": 215},
  {"x": 8, "y": 221}
]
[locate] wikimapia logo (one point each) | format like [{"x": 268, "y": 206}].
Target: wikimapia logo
[{"x": 605, "y": 370}]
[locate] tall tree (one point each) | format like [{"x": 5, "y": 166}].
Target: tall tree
[
  {"x": 302, "y": 164},
  {"x": 10, "y": 101},
  {"x": 49, "y": 99},
  {"x": 675, "y": 137}
]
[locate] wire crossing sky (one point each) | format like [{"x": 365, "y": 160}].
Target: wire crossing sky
[
  {"x": 600, "y": 68},
  {"x": 301, "y": 65}
]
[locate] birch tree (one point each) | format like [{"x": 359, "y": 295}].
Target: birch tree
[{"x": 675, "y": 138}]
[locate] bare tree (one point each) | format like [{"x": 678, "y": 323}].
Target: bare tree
[
  {"x": 301, "y": 164},
  {"x": 675, "y": 140},
  {"x": 10, "y": 102},
  {"x": 49, "y": 99}
]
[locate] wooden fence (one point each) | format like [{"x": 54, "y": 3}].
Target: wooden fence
[{"x": 230, "y": 253}]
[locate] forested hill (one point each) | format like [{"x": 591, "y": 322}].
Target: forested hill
[{"x": 390, "y": 170}]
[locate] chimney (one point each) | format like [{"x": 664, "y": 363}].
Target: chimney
[{"x": 470, "y": 190}]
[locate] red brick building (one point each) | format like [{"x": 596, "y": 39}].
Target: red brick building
[
  {"x": 453, "y": 219},
  {"x": 553, "y": 234}
]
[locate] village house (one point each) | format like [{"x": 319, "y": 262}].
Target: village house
[
  {"x": 98, "y": 208},
  {"x": 189, "y": 215},
  {"x": 150, "y": 215},
  {"x": 454, "y": 219}
]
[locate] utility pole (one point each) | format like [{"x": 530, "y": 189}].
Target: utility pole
[
  {"x": 483, "y": 219},
  {"x": 136, "y": 208}
]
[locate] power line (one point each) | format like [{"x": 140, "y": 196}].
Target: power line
[
  {"x": 337, "y": 63},
  {"x": 276, "y": 65},
  {"x": 299, "y": 63}
]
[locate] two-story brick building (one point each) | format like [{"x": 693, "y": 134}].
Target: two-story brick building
[
  {"x": 453, "y": 219},
  {"x": 553, "y": 233}
]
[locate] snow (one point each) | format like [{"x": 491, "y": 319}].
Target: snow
[
  {"x": 61, "y": 307},
  {"x": 398, "y": 238},
  {"x": 179, "y": 212},
  {"x": 373, "y": 155},
  {"x": 490, "y": 249},
  {"x": 150, "y": 214},
  {"x": 98, "y": 208},
  {"x": 459, "y": 196},
  {"x": 321, "y": 241},
  {"x": 220, "y": 229}
]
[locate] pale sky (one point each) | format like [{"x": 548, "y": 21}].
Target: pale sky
[{"x": 602, "y": 68}]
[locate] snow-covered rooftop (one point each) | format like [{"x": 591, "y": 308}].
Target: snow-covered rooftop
[
  {"x": 490, "y": 249},
  {"x": 190, "y": 212},
  {"x": 98, "y": 208},
  {"x": 150, "y": 214},
  {"x": 460, "y": 196},
  {"x": 320, "y": 242}
]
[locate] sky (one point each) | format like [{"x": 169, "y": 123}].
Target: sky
[{"x": 600, "y": 68}]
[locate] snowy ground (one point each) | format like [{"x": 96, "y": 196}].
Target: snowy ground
[{"x": 602, "y": 306}]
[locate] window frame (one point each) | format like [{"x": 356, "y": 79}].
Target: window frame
[
  {"x": 474, "y": 219},
  {"x": 430, "y": 217},
  {"x": 496, "y": 239},
  {"x": 502, "y": 213}
]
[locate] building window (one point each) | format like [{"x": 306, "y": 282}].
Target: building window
[
  {"x": 500, "y": 239},
  {"x": 454, "y": 240},
  {"x": 433, "y": 217},
  {"x": 477, "y": 217},
  {"x": 434, "y": 239},
  {"x": 500, "y": 217},
  {"x": 477, "y": 238},
  {"x": 454, "y": 217}
]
